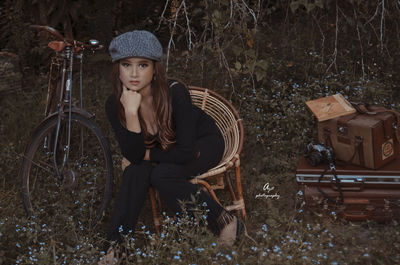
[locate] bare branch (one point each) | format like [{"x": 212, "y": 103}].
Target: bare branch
[
  {"x": 382, "y": 23},
  {"x": 361, "y": 47},
  {"x": 162, "y": 17},
  {"x": 190, "y": 44},
  {"x": 323, "y": 38},
  {"x": 171, "y": 39},
  {"x": 376, "y": 13},
  {"x": 336, "y": 40},
  {"x": 230, "y": 16},
  {"x": 226, "y": 64},
  {"x": 251, "y": 12}
]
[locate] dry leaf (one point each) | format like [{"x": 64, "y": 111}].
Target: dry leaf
[{"x": 250, "y": 43}]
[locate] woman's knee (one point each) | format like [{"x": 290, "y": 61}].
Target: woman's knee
[
  {"x": 163, "y": 173},
  {"x": 138, "y": 171},
  {"x": 157, "y": 176}
]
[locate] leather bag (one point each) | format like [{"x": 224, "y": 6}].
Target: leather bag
[{"x": 368, "y": 138}]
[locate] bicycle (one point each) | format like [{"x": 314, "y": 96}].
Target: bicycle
[{"x": 67, "y": 166}]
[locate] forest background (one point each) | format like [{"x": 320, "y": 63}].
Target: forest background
[{"x": 268, "y": 57}]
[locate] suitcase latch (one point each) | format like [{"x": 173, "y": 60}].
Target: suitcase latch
[
  {"x": 353, "y": 184},
  {"x": 342, "y": 129}
]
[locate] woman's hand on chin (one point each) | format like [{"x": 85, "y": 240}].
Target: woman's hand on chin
[{"x": 130, "y": 100}]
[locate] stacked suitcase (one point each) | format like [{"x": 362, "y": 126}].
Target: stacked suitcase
[
  {"x": 367, "y": 194},
  {"x": 365, "y": 143}
]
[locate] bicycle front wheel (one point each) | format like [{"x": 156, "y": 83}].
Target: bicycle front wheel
[{"x": 83, "y": 187}]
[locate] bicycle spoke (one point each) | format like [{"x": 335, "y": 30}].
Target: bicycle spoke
[{"x": 49, "y": 168}]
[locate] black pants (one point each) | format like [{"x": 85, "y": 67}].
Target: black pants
[{"x": 171, "y": 181}]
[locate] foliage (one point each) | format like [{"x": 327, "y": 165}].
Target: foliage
[
  {"x": 268, "y": 58},
  {"x": 269, "y": 69},
  {"x": 308, "y": 5},
  {"x": 296, "y": 238}
]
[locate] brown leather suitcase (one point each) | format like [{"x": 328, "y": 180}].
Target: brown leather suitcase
[
  {"x": 367, "y": 194},
  {"x": 369, "y": 138}
]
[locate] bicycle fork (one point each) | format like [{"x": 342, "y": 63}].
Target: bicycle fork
[{"x": 67, "y": 100}]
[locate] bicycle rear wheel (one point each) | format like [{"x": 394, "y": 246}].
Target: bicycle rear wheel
[{"x": 84, "y": 188}]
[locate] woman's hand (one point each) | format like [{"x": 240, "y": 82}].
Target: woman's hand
[
  {"x": 125, "y": 162},
  {"x": 130, "y": 100},
  {"x": 147, "y": 155}
]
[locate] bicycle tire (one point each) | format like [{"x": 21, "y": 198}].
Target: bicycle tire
[{"x": 86, "y": 188}]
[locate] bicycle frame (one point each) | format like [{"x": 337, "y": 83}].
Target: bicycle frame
[
  {"x": 67, "y": 84},
  {"x": 61, "y": 85}
]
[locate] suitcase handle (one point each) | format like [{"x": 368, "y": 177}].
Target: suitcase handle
[
  {"x": 357, "y": 217},
  {"x": 363, "y": 215}
]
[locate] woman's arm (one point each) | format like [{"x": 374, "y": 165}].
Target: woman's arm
[
  {"x": 185, "y": 119},
  {"x": 131, "y": 102},
  {"x": 130, "y": 142}
]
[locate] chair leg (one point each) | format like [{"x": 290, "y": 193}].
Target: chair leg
[
  {"x": 208, "y": 187},
  {"x": 229, "y": 183},
  {"x": 156, "y": 219},
  {"x": 236, "y": 202},
  {"x": 239, "y": 188}
]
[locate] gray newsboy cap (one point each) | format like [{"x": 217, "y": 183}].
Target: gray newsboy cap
[{"x": 137, "y": 43}]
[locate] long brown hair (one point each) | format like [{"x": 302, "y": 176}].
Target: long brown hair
[{"x": 161, "y": 107}]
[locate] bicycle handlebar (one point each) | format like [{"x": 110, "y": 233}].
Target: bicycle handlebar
[
  {"x": 50, "y": 30},
  {"x": 68, "y": 42}
]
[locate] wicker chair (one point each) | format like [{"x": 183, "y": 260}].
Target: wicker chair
[{"x": 230, "y": 124}]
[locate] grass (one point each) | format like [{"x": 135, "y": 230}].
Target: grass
[{"x": 280, "y": 230}]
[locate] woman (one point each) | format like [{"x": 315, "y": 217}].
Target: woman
[{"x": 164, "y": 139}]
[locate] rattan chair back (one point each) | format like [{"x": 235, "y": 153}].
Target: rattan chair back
[{"x": 228, "y": 121}]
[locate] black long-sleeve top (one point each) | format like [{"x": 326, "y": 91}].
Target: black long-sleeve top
[{"x": 191, "y": 123}]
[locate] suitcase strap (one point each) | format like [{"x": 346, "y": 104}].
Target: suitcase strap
[
  {"x": 358, "y": 149},
  {"x": 365, "y": 109},
  {"x": 339, "y": 187},
  {"x": 396, "y": 126}
]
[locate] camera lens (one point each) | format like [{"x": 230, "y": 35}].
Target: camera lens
[{"x": 314, "y": 158}]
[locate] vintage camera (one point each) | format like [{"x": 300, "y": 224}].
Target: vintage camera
[{"x": 317, "y": 153}]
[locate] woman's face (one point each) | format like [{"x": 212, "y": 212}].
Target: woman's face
[{"x": 136, "y": 73}]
